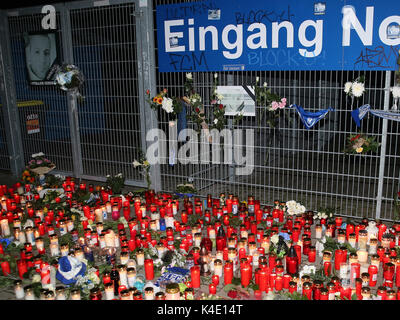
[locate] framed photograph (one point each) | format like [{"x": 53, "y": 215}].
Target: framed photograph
[
  {"x": 236, "y": 99},
  {"x": 42, "y": 57}
]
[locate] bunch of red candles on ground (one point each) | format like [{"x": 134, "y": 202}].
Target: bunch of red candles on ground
[{"x": 217, "y": 249}]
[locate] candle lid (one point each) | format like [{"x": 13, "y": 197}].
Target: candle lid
[{"x": 172, "y": 288}]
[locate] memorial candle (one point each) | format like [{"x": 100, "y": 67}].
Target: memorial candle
[
  {"x": 195, "y": 276},
  {"x": 228, "y": 272}
]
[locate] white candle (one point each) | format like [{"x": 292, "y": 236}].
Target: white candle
[
  {"x": 123, "y": 276},
  {"x": 116, "y": 241},
  {"x": 21, "y": 237},
  {"x": 109, "y": 239},
  {"x": 99, "y": 215},
  {"x": 212, "y": 234},
  {"x": 29, "y": 294},
  {"x": 109, "y": 290},
  {"x": 19, "y": 290},
  {"x": 54, "y": 250},
  {"x": 169, "y": 222},
  {"x": 362, "y": 255},
  {"x": 140, "y": 257},
  {"x": 5, "y": 228},
  {"x": 131, "y": 277}
]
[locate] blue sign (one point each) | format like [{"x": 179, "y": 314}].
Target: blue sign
[{"x": 242, "y": 35}]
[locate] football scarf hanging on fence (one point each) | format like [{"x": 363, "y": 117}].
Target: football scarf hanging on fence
[
  {"x": 309, "y": 119},
  {"x": 69, "y": 78},
  {"x": 360, "y": 113}
]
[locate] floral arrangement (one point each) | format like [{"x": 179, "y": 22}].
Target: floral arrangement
[
  {"x": 116, "y": 182},
  {"x": 70, "y": 78},
  {"x": 294, "y": 208},
  {"x": 272, "y": 102},
  {"x": 326, "y": 213},
  {"x": 28, "y": 176},
  {"x": 171, "y": 106},
  {"x": 87, "y": 282},
  {"x": 193, "y": 99},
  {"x": 39, "y": 160},
  {"x": 355, "y": 89},
  {"x": 144, "y": 166},
  {"x": 397, "y": 206},
  {"x": 185, "y": 188},
  {"x": 39, "y": 165},
  {"x": 278, "y": 246},
  {"x": 396, "y": 96},
  {"x": 361, "y": 144}
]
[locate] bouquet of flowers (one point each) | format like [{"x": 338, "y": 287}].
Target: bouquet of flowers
[
  {"x": 396, "y": 95},
  {"x": 272, "y": 102},
  {"x": 171, "y": 106},
  {"x": 70, "y": 78},
  {"x": 355, "y": 89},
  {"x": 144, "y": 166},
  {"x": 294, "y": 208},
  {"x": 186, "y": 188},
  {"x": 40, "y": 164},
  {"x": 360, "y": 143},
  {"x": 116, "y": 182}
]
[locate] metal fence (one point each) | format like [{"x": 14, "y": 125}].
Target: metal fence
[
  {"x": 108, "y": 41},
  {"x": 44, "y": 102},
  {"x": 305, "y": 165},
  {"x": 4, "y": 156}
]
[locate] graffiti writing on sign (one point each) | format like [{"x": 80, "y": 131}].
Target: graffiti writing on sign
[
  {"x": 260, "y": 16},
  {"x": 280, "y": 58},
  {"x": 188, "y": 62},
  {"x": 378, "y": 57},
  {"x": 190, "y": 10}
]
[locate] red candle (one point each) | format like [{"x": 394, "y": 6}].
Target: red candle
[
  {"x": 373, "y": 275},
  {"x": 195, "y": 275},
  {"x": 22, "y": 267},
  {"x": 312, "y": 254},
  {"x": 272, "y": 261},
  {"x": 184, "y": 217},
  {"x": 298, "y": 252},
  {"x": 5, "y": 267},
  {"x": 149, "y": 269},
  {"x": 338, "y": 258},
  {"x": 327, "y": 268},
  {"x": 307, "y": 291},
  {"x": 278, "y": 283},
  {"x": 212, "y": 288},
  {"x": 245, "y": 273},
  {"x": 228, "y": 272},
  {"x": 286, "y": 280},
  {"x": 215, "y": 279}
]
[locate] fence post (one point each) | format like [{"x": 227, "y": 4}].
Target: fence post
[
  {"x": 71, "y": 97},
  {"x": 147, "y": 77},
  {"x": 383, "y": 147},
  {"x": 9, "y": 100}
]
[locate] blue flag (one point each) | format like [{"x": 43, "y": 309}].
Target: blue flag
[
  {"x": 361, "y": 112},
  {"x": 309, "y": 119}
]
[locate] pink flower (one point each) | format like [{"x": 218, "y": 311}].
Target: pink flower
[
  {"x": 282, "y": 104},
  {"x": 274, "y": 105},
  {"x": 214, "y": 101},
  {"x": 39, "y": 162}
]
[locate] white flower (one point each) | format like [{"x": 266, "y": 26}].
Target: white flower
[
  {"x": 167, "y": 105},
  {"x": 215, "y": 121},
  {"x": 275, "y": 239},
  {"x": 347, "y": 87},
  {"x": 395, "y": 92},
  {"x": 265, "y": 85},
  {"x": 36, "y": 278},
  {"x": 215, "y": 75},
  {"x": 357, "y": 89},
  {"x": 257, "y": 79},
  {"x": 136, "y": 163},
  {"x": 189, "y": 76}
]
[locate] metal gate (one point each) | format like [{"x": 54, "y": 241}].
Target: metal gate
[
  {"x": 104, "y": 133},
  {"x": 308, "y": 166}
]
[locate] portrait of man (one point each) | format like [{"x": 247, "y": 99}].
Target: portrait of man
[{"x": 41, "y": 55}]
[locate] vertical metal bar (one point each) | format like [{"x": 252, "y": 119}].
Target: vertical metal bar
[
  {"x": 72, "y": 99},
  {"x": 9, "y": 100},
  {"x": 147, "y": 76},
  {"x": 383, "y": 147}
]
